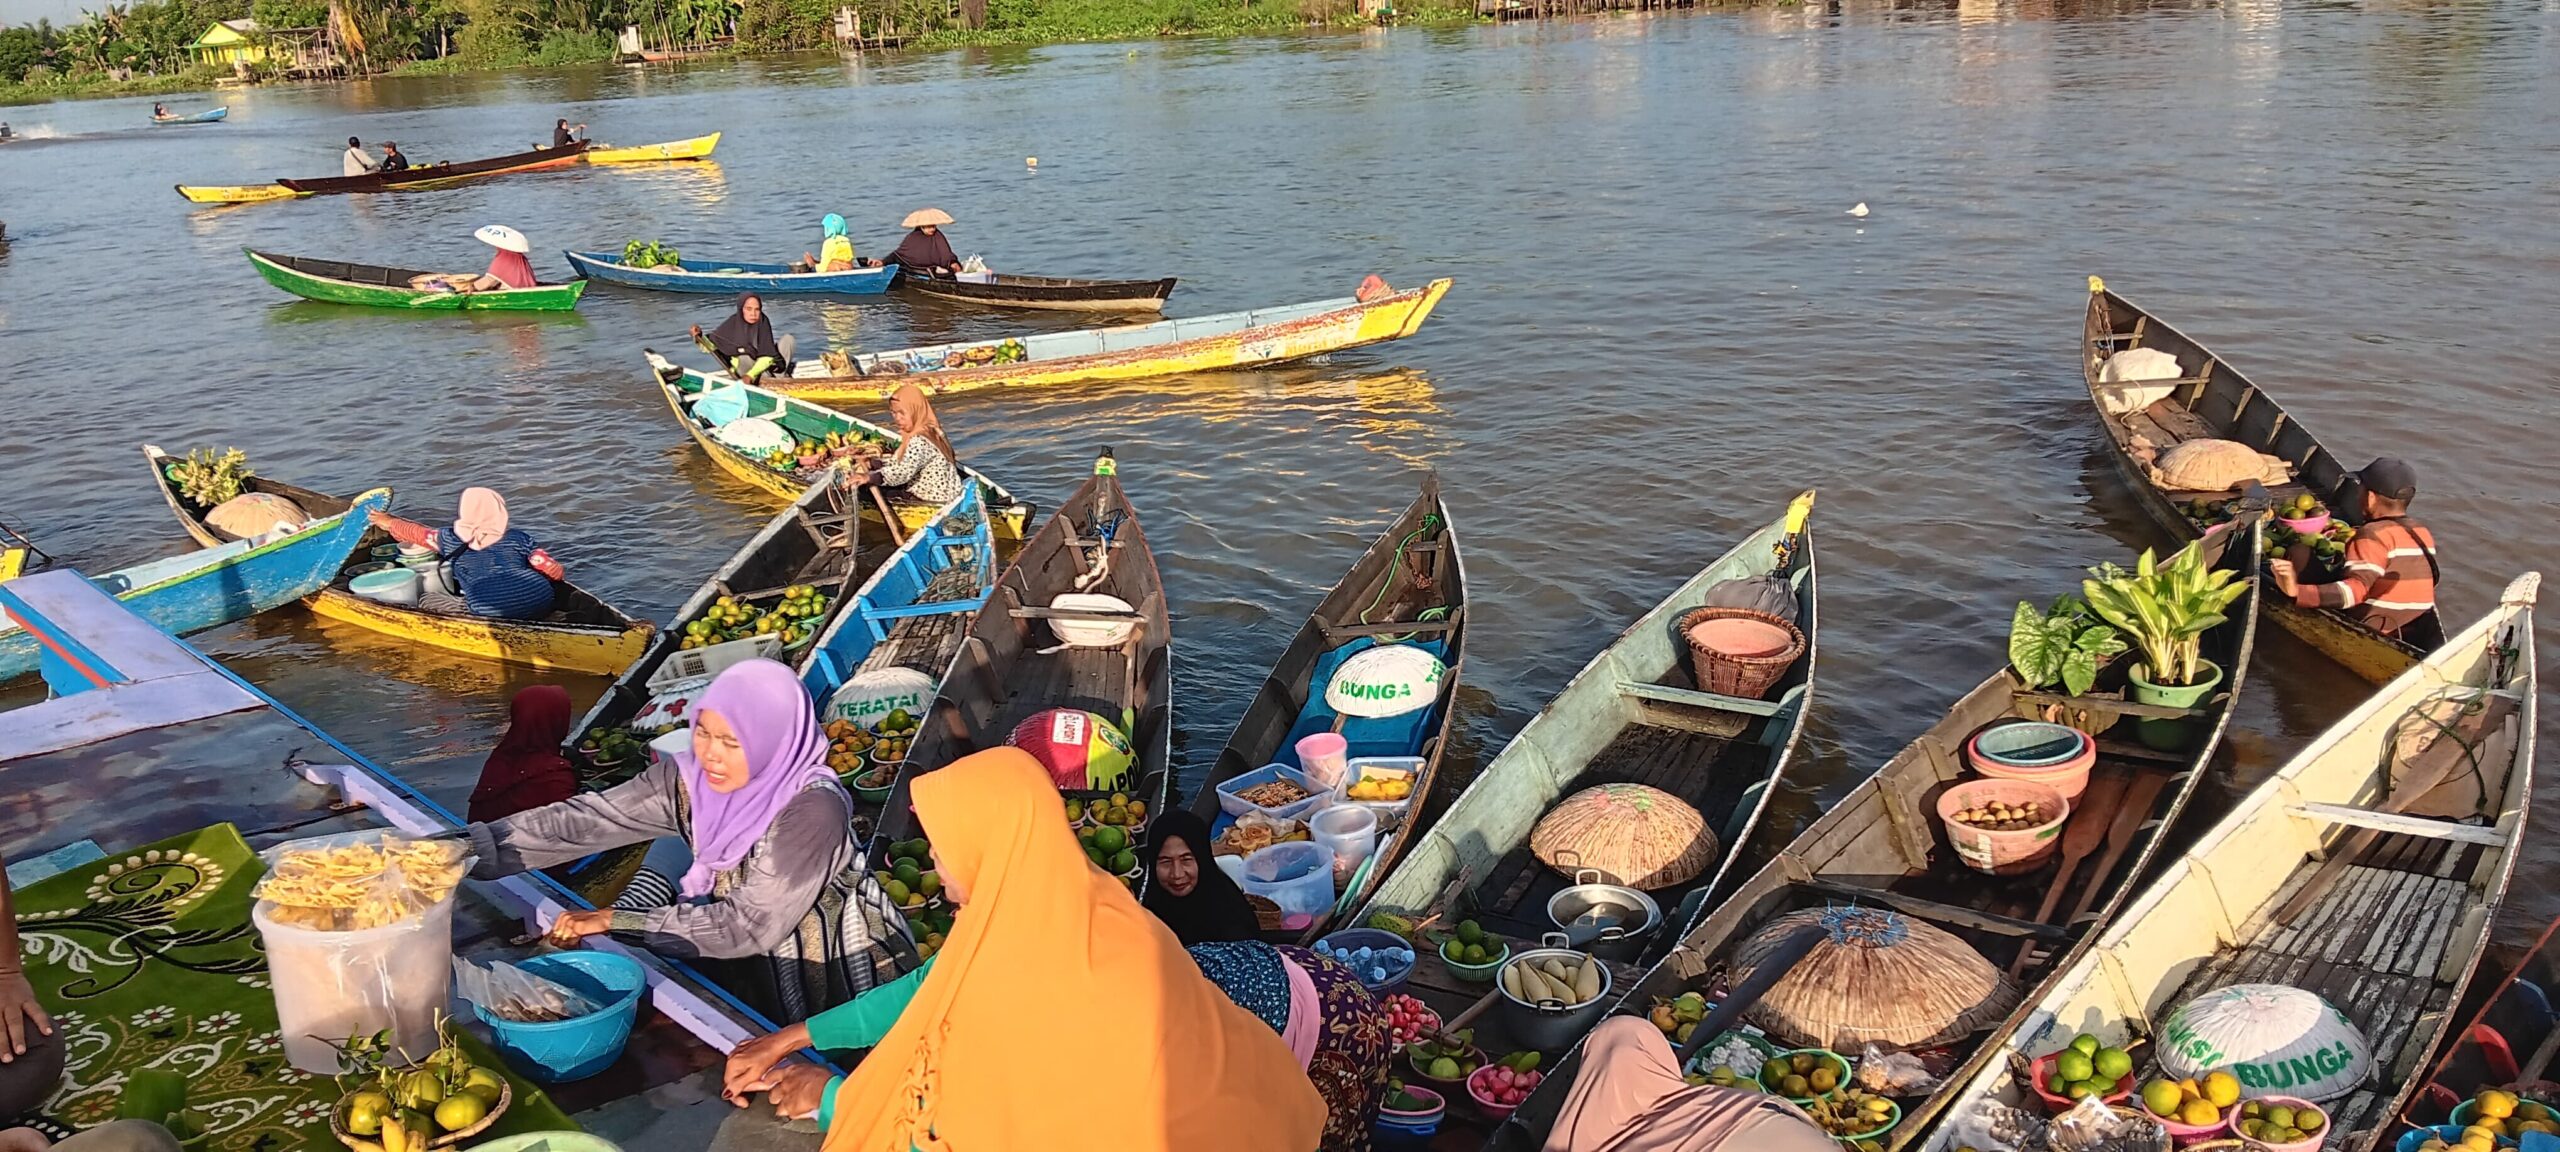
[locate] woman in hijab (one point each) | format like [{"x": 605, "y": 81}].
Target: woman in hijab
[
  {"x": 835, "y": 253},
  {"x": 923, "y": 470},
  {"x": 745, "y": 342},
  {"x": 495, "y": 570},
  {"x": 925, "y": 251},
  {"x": 775, "y": 893},
  {"x": 1163, "y": 1060},
  {"x": 527, "y": 769},
  {"x": 1331, "y": 1022},
  {"x": 1194, "y": 898},
  {"x": 1629, "y": 1097}
]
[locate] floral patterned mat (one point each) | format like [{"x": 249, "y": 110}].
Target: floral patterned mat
[{"x": 147, "y": 960}]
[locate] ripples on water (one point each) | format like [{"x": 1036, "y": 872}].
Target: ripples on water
[{"x": 1663, "y": 326}]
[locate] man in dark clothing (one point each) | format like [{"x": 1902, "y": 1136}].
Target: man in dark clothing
[
  {"x": 392, "y": 160},
  {"x": 562, "y": 135},
  {"x": 2389, "y": 581}
]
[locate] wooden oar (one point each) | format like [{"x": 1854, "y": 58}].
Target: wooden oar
[
  {"x": 2136, "y": 807},
  {"x": 1748, "y": 992},
  {"x": 897, "y": 534},
  {"x": 2091, "y": 815}
]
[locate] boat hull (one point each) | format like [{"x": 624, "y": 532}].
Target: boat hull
[
  {"x": 693, "y": 148},
  {"x": 435, "y": 175},
  {"x": 236, "y": 193},
  {"x": 1011, "y": 517},
  {"x": 1165, "y": 348},
  {"x": 2229, "y": 406},
  {"x": 733, "y": 277},
  {"x": 292, "y": 274},
  {"x": 209, "y": 116},
  {"x": 595, "y": 649},
  {"x": 194, "y": 591},
  {"x": 1047, "y": 293}
]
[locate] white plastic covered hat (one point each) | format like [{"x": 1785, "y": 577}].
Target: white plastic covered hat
[{"x": 501, "y": 236}]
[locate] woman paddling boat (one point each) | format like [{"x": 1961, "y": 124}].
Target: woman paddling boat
[{"x": 745, "y": 343}]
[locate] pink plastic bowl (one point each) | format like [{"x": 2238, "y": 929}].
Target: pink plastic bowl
[
  {"x": 2069, "y": 777},
  {"x": 2003, "y": 853},
  {"x": 2309, "y": 1143}
]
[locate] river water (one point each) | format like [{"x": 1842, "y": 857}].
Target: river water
[{"x": 1664, "y": 324}]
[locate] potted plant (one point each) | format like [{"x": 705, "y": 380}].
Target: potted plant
[
  {"x": 2066, "y": 646},
  {"x": 2166, "y": 609}
]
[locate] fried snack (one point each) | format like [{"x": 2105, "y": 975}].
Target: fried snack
[{"x": 354, "y": 886}]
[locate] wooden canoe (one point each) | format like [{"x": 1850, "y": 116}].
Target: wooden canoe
[
  {"x": 207, "y": 588},
  {"x": 816, "y": 541},
  {"x": 2389, "y": 930},
  {"x": 582, "y": 633},
  {"x": 813, "y": 422},
  {"x": 1052, "y": 293},
  {"x": 691, "y": 148},
  {"x": 339, "y": 282},
  {"x": 1882, "y": 846},
  {"x": 236, "y": 193},
  {"x": 2509, "y": 1037},
  {"x": 730, "y": 277},
  {"x": 443, "y": 172},
  {"x": 1229, "y": 340},
  {"x": 1410, "y": 585},
  {"x": 208, "y": 116},
  {"x": 1632, "y": 715},
  {"x": 1012, "y": 664},
  {"x": 2210, "y": 399}
]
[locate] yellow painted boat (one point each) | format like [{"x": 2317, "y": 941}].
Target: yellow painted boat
[
  {"x": 582, "y": 634},
  {"x": 695, "y": 148},
  {"x": 236, "y": 193},
  {"x": 1010, "y": 517},
  {"x": 1229, "y": 340}
]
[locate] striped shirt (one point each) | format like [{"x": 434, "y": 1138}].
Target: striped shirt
[
  {"x": 2389, "y": 580},
  {"x": 497, "y": 581}
]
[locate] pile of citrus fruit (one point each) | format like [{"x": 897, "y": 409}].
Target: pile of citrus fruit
[
  {"x": 2088, "y": 1067},
  {"x": 407, "y": 1110},
  {"x": 2191, "y": 1103}
]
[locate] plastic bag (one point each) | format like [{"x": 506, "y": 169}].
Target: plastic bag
[
  {"x": 355, "y": 881},
  {"x": 2092, "y": 1126},
  {"x": 1890, "y": 1073},
  {"x": 1991, "y": 1126},
  {"x": 516, "y": 994}
]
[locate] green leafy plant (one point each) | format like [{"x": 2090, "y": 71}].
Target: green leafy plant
[
  {"x": 2065, "y": 646},
  {"x": 2166, "y": 608}
]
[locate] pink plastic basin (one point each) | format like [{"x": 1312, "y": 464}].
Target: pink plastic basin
[
  {"x": 2003, "y": 853},
  {"x": 1740, "y": 638},
  {"x": 2069, "y": 777}
]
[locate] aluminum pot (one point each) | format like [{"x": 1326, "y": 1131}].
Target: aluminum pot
[
  {"x": 1638, "y": 916},
  {"x": 1547, "y": 1025}
]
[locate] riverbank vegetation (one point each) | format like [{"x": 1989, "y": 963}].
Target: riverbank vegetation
[{"x": 144, "y": 48}]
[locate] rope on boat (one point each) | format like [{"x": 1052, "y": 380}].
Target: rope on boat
[{"x": 1430, "y": 525}]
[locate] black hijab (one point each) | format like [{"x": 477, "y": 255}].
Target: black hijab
[
  {"x": 736, "y": 337},
  {"x": 1215, "y": 911},
  {"x": 919, "y": 251}
]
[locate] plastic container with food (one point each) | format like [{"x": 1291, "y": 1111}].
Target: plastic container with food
[{"x": 1275, "y": 790}]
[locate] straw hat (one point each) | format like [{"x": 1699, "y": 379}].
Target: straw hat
[
  {"x": 923, "y": 216},
  {"x": 1876, "y": 977},
  {"x": 501, "y": 236}
]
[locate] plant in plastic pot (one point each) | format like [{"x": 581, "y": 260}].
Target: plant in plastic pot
[{"x": 2166, "y": 608}]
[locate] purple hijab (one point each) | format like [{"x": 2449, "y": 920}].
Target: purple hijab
[{"x": 785, "y": 750}]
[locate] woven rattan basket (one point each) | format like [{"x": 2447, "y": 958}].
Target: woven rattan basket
[
  {"x": 1748, "y": 676},
  {"x": 1879, "y": 977},
  {"x": 1630, "y": 834}
]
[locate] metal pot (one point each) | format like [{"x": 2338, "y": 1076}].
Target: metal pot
[
  {"x": 1547, "y": 1025},
  {"x": 1638, "y": 916}
]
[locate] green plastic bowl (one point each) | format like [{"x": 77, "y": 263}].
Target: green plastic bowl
[{"x": 1475, "y": 973}]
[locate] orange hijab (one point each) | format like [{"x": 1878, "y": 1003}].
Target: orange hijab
[
  {"x": 909, "y": 401},
  {"x": 1060, "y": 1015}
]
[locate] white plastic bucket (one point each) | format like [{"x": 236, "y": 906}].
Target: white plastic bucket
[
  {"x": 387, "y": 586},
  {"x": 333, "y": 985},
  {"x": 1297, "y": 876},
  {"x": 1350, "y": 832}
]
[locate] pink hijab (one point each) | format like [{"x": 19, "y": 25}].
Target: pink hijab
[
  {"x": 1629, "y": 1098},
  {"x": 483, "y": 518}
]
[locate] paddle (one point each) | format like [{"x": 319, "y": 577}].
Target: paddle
[
  {"x": 1764, "y": 976},
  {"x": 2135, "y": 808},
  {"x": 897, "y": 533},
  {"x": 2090, "y": 819}
]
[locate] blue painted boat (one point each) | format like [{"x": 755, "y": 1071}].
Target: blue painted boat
[
  {"x": 208, "y": 116},
  {"x": 196, "y": 590},
  {"x": 913, "y": 610},
  {"x": 727, "y": 277}
]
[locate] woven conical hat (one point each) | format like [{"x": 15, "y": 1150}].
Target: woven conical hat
[
  {"x": 1877, "y": 976},
  {"x": 1631, "y": 834}
]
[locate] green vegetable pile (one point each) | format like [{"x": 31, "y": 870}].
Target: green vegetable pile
[
  {"x": 793, "y": 618},
  {"x": 650, "y": 254},
  {"x": 610, "y": 746},
  {"x": 207, "y": 480}
]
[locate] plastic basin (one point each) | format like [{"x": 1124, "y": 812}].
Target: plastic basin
[
  {"x": 2003, "y": 853},
  {"x": 1475, "y": 973},
  {"x": 2042, "y": 1071},
  {"x": 2451, "y": 1134},
  {"x": 1297, "y": 876},
  {"x": 2308, "y": 525},
  {"x": 2028, "y": 755},
  {"x": 388, "y": 586},
  {"x": 1836, "y": 1061},
  {"x": 2309, "y": 1143},
  {"x": 574, "y": 1049},
  {"x": 1740, "y": 638},
  {"x": 1379, "y": 938}
]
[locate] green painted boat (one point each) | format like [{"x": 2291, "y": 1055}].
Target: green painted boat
[{"x": 338, "y": 282}]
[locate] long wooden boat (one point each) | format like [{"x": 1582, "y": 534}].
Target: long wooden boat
[
  {"x": 340, "y": 282},
  {"x": 806, "y": 421},
  {"x": 581, "y": 634},
  {"x": 1013, "y": 663},
  {"x": 2509, "y": 1038},
  {"x": 728, "y": 277},
  {"x": 1632, "y": 715},
  {"x": 1228, "y": 340},
  {"x": 2211, "y": 399},
  {"x": 442, "y": 172},
  {"x": 208, "y": 116},
  {"x": 690, "y": 148},
  {"x": 1410, "y": 586},
  {"x": 1052, "y": 293},
  {"x": 148, "y": 778},
  {"x": 1882, "y": 846},
  {"x": 193, "y": 591},
  {"x": 236, "y": 193},
  {"x": 2318, "y": 880},
  {"x": 814, "y": 542}
]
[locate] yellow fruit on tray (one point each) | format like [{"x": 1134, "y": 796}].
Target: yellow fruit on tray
[{"x": 2222, "y": 1089}]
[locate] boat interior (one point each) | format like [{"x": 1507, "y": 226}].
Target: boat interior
[
  {"x": 1015, "y": 662},
  {"x": 375, "y": 275},
  {"x": 915, "y": 606},
  {"x": 1096, "y": 341},
  {"x": 2206, "y": 401}
]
